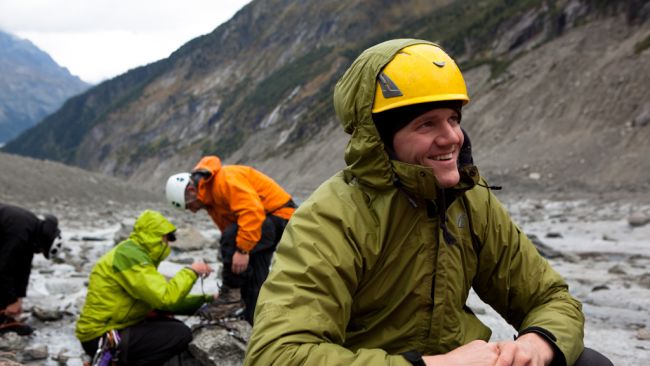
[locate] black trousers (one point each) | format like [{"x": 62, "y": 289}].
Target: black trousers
[
  {"x": 150, "y": 342},
  {"x": 250, "y": 282},
  {"x": 589, "y": 357}
]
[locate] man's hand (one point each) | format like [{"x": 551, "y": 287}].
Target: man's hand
[
  {"x": 239, "y": 262},
  {"x": 202, "y": 269},
  {"x": 475, "y": 353},
  {"x": 14, "y": 310},
  {"x": 528, "y": 350}
]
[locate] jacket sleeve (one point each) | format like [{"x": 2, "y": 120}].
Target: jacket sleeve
[
  {"x": 305, "y": 304},
  {"x": 522, "y": 286},
  {"x": 145, "y": 283},
  {"x": 247, "y": 206}
]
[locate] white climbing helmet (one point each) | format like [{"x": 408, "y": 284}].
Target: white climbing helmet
[{"x": 175, "y": 189}]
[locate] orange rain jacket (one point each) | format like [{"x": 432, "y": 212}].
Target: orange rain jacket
[{"x": 242, "y": 195}]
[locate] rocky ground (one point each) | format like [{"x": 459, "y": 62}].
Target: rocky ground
[{"x": 599, "y": 243}]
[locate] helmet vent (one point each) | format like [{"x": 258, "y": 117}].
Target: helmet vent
[
  {"x": 439, "y": 63},
  {"x": 388, "y": 87}
]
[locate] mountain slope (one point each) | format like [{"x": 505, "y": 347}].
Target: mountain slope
[
  {"x": 32, "y": 85},
  {"x": 258, "y": 91}
]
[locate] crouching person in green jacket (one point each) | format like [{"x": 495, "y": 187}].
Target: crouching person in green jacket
[
  {"x": 127, "y": 295},
  {"x": 375, "y": 268}
]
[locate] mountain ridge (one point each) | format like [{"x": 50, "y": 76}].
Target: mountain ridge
[
  {"x": 264, "y": 98},
  {"x": 32, "y": 85}
]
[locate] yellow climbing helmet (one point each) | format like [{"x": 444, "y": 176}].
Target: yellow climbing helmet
[{"x": 419, "y": 73}]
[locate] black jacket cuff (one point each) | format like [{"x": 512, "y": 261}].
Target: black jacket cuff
[{"x": 414, "y": 357}]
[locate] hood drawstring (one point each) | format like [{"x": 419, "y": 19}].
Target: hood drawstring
[{"x": 494, "y": 188}]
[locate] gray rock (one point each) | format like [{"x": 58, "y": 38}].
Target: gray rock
[
  {"x": 124, "y": 231},
  {"x": 638, "y": 219},
  {"x": 8, "y": 359},
  {"x": 190, "y": 238},
  {"x": 642, "y": 119},
  {"x": 609, "y": 238},
  {"x": 617, "y": 269},
  {"x": 223, "y": 344},
  {"x": 47, "y": 314},
  {"x": 550, "y": 253},
  {"x": 600, "y": 288},
  {"x": 187, "y": 260},
  {"x": 554, "y": 235},
  {"x": 36, "y": 352},
  {"x": 644, "y": 280},
  {"x": 12, "y": 342},
  {"x": 643, "y": 334},
  {"x": 62, "y": 357}
]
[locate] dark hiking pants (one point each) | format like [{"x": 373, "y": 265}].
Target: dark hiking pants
[
  {"x": 589, "y": 357},
  {"x": 149, "y": 343},
  {"x": 250, "y": 282}
]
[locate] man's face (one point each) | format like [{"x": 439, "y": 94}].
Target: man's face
[
  {"x": 433, "y": 140},
  {"x": 192, "y": 203}
]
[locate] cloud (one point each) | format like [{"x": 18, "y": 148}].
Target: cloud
[{"x": 99, "y": 39}]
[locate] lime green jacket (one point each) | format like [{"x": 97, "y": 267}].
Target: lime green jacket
[
  {"x": 363, "y": 272},
  {"x": 125, "y": 284}
]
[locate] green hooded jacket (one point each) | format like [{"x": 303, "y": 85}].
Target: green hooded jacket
[
  {"x": 364, "y": 273},
  {"x": 125, "y": 284}
]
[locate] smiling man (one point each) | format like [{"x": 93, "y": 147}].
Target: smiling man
[{"x": 376, "y": 266}]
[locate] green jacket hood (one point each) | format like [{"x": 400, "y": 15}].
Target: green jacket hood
[
  {"x": 367, "y": 160},
  {"x": 148, "y": 231}
]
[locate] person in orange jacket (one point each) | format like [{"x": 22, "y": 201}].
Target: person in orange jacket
[{"x": 250, "y": 209}]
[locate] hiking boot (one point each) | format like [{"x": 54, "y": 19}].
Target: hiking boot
[
  {"x": 225, "y": 306},
  {"x": 228, "y": 296}
]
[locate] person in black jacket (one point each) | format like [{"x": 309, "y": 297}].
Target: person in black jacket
[{"x": 22, "y": 234}]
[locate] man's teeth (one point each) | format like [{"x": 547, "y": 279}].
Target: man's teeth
[{"x": 442, "y": 157}]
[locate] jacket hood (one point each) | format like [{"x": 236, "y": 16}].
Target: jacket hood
[
  {"x": 148, "y": 231},
  {"x": 207, "y": 168},
  {"x": 366, "y": 158}
]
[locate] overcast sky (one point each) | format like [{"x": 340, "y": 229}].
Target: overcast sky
[{"x": 100, "y": 39}]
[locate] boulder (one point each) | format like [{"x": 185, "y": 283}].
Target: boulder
[
  {"x": 221, "y": 343},
  {"x": 643, "y": 334},
  {"x": 11, "y": 342},
  {"x": 190, "y": 238},
  {"x": 638, "y": 219},
  {"x": 36, "y": 352},
  {"x": 46, "y": 314},
  {"x": 126, "y": 226},
  {"x": 550, "y": 253}
]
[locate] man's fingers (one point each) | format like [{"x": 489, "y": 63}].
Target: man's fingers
[{"x": 506, "y": 354}]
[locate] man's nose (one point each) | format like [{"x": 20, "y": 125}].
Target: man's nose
[{"x": 448, "y": 135}]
